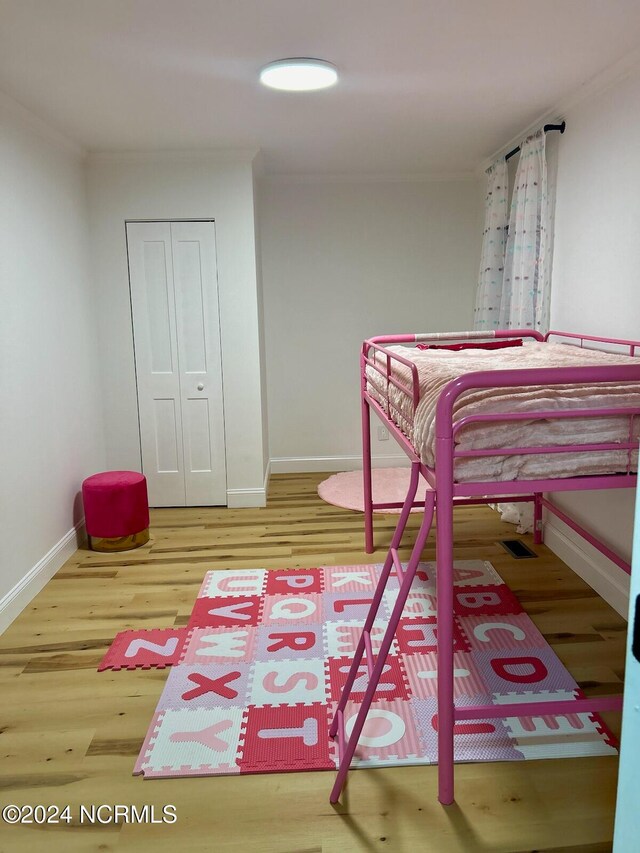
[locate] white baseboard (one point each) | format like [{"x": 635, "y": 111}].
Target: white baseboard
[
  {"x": 15, "y": 601},
  {"x": 608, "y": 580},
  {"x": 245, "y": 498},
  {"x": 308, "y": 464}
]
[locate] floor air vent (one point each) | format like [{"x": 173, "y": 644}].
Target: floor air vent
[{"x": 517, "y": 549}]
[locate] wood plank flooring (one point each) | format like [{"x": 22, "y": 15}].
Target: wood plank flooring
[{"x": 70, "y": 735}]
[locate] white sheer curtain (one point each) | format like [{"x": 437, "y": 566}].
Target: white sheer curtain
[
  {"x": 527, "y": 269},
  {"x": 496, "y": 216}
]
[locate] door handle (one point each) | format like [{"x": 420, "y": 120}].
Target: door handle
[{"x": 200, "y": 386}]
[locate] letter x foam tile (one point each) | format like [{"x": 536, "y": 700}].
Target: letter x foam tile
[
  {"x": 257, "y": 674},
  {"x": 156, "y": 648}
]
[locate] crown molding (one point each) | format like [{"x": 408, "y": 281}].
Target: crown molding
[
  {"x": 39, "y": 126},
  {"x": 594, "y": 86},
  {"x": 369, "y": 178},
  {"x": 235, "y": 156}
]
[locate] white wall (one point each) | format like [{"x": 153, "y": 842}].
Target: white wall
[
  {"x": 596, "y": 284},
  {"x": 257, "y": 174},
  {"x": 181, "y": 186},
  {"x": 51, "y": 418},
  {"x": 342, "y": 261}
]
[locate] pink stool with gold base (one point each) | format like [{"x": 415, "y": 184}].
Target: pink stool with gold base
[{"x": 116, "y": 509}]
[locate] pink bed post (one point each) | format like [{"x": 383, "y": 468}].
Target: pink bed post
[
  {"x": 444, "y": 574},
  {"x": 346, "y": 747},
  {"x": 537, "y": 518},
  {"x": 366, "y": 459}
]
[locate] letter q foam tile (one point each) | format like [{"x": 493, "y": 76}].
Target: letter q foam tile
[{"x": 256, "y": 676}]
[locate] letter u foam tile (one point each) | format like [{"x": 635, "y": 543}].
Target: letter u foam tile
[{"x": 257, "y": 674}]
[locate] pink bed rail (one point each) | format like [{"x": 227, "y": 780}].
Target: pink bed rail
[
  {"x": 381, "y": 360},
  {"x": 444, "y": 492}
]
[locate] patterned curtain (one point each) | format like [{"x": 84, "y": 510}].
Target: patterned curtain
[
  {"x": 526, "y": 284},
  {"x": 489, "y": 293}
]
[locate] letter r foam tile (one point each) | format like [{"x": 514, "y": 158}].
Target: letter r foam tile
[
  {"x": 281, "y": 642},
  {"x": 155, "y": 648}
]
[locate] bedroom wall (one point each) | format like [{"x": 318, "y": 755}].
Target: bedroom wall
[
  {"x": 52, "y": 434},
  {"x": 596, "y": 287},
  {"x": 174, "y": 185},
  {"x": 344, "y": 260}
]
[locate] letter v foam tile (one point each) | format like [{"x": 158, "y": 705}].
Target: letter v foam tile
[{"x": 155, "y": 648}]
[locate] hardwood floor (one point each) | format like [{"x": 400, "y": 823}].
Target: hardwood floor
[{"x": 70, "y": 735}]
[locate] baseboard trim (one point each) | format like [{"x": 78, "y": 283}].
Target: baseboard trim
[
  {"x": 15, "y": 601},
  {"x": 267, "y": 477},
  {"x": 311, "y": 464},
  {"x": 246, "y": 498},
  {"x": 593, "y": 567}
]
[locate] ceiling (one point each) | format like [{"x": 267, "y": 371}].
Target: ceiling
[{"x": 427, "y": 86}]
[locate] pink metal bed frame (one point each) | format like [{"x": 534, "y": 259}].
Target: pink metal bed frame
[{"x": 444, "y": 492}]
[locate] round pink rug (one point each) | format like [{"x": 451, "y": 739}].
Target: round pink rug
[{"x": 388, "y": 485}]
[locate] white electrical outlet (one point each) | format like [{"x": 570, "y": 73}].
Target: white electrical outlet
[{"x": 383, "y": 433}]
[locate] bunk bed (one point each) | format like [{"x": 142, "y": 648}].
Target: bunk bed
[{"x": 507, "y": 415}]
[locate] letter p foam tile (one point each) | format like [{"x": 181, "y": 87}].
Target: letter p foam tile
[{"x": 257, "y": 673}]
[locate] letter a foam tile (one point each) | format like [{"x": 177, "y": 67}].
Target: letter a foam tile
[{"x": 157, "y": 648}]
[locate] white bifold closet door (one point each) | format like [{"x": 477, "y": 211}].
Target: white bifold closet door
[{"x": 176, "y": 326}]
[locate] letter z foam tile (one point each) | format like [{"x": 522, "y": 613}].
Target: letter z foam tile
[{"x": 156, "y": 648}]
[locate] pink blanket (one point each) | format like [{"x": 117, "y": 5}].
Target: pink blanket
[{"x": 438, "y": 367}]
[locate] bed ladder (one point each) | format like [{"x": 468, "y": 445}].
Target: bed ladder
[{"x": 375, "y": 663}]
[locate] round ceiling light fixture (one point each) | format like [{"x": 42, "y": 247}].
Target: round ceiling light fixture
[{"x": 299, "y": 74}]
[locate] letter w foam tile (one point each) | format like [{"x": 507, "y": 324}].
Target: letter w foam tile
[
  {"x": 257, "y": 674},
  {"x": 157, "y": 648}
]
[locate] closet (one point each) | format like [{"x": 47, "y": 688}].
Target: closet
[{"x": 176, "y": 330}]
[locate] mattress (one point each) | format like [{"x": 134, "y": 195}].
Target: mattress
[{"x": 438, "y": 367}]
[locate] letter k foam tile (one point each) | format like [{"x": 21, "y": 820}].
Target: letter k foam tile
[
  {"x": 256, "y": 676},
  {"x": 156, "y": 648}
]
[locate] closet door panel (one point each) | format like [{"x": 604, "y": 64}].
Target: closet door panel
[
  {"x": 166, "y": 437},
  {"x": 156, "y": 359},
  {"x": 199, "y": 354}
]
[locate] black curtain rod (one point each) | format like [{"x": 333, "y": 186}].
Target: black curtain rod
[{"x": 546, "y": 128}]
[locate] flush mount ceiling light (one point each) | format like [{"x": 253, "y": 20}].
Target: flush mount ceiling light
[{"x": 299, "y": 74}]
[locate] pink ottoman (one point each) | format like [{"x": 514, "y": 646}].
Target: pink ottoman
[{"x": 116, "y": 510}]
